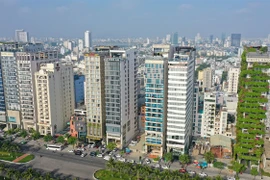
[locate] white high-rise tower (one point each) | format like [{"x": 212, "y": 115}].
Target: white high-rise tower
[{"x": 88, "y": 39}]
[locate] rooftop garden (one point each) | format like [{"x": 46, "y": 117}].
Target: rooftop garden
[{"x": 251, "y": 112}]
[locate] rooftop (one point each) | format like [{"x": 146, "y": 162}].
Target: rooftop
[{"x": 258, "y": 55}]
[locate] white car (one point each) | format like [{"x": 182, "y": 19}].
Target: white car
[
  {"x": 230, "y": 178},
  {"x": 111, "y": 153},
  {"x": 122, "y": 159},
  {"x": 118, "y": 155},
  {"x": 131, "y": 161},
  {"x": 83, "y": 154},
  {"x": 107, "y": 158},
  {"x": 147, "y": 161},
  {"x": 165, "y": 167},
  {"x": 192, "y": 173},
  {"x": 157, "y": 165},
  {"x": 202, "y": 174},
  {"x": 100, "y": 155},
  {"x": 71, "y": 150}
]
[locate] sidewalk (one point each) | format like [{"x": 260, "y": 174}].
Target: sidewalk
[{"x": 20, "y": 158}]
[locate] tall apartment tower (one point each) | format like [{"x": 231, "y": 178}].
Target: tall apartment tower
[
  {"x": 156, "y": 83},
  {"x": 10, "y": 80},
  {"x": 207, "y": 78},
  {"x": 27, "y": 64},
  {"x": 95, "y": 95},
  {"x": 233, "y": 77},
  {"x": 209, "y": 115},
  {"x": 88, "y": 39},
  {"x": 54, "y": 97},
  {"x": 236, "y": 40},
  {"x": 21, "y": 36},
  {"x": 121, "y": 96},
  {"x": 181, "y": 67},
  {"x": 80, "y": 44}
]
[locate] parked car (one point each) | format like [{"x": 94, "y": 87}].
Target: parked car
[
  {"x": 115, "y": 149},
  {"x": 203, "y": 174},
  {"x": 70, "y": 150},
  {"x": 122, "y": 159},
  {"x": 78, "y": 152},
  {"x": 192, "y": 173},
  {"x": 118, "y": 155},
  {"x": 165, "y": 167},
  {"x": 157, "y": 165},
  {"x": 147, "y": 161},
  {"x": 107, "y": 158},
  {"x": 100, "y": 155},
  {"x": 230, "y": 178},
  {"x": 93, "y": 153},
  {"x": 131, "y": 161},
  {"x": 83, "y": 154},
  {"x": 182, "y": 170},
  {"x": 111, "y": 153}
]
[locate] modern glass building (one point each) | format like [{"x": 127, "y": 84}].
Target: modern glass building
[
  {"x": 2, "y": 98},
  {"x": 174, "y": 40},
  {"x": 236, "y": 40},
  {"x": 156, "y": 105},
  {"x": 79, "y": 89}
]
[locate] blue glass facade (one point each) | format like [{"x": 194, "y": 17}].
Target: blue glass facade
[
  {"x": 79, "y": 88},
  {"x": 154, "y": 99},
  {"x": 2, "y": 96}
]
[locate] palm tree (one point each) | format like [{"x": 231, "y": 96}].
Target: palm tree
[
  {"x": 72, "y": 140},
  {"x": 209, "y": 157},
  {"x": 218, "y": 178},
  {"x": 2, "y": 167},
  {"x": 47, "y": 176},
  {"x": 110, "y": 164},
  {"x": 17, "y": 175},
  {"x": 28, "y": 174},
  {"x": 9, "y": 173},
  {"x": 184, "y": 159},
  {"x": 168, "y": 157}
]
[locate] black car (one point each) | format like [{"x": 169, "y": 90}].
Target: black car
[
  {"x": 77, "y": 152},
  {"x": 93, "y": 153}
]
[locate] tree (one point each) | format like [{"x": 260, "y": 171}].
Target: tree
[
  {"x": 35, "y": 135},
  {"x": 237, "y": 167},
  {"x": 168, "y": 157},
  {"x": 47, "y": 138},
  {"x": 111, "y": 146},
  {"x": 219, "y": 165},
  {"x": 10, "y": 173},
  {"x": 254, "y": 172},
  {"x": 209, "y": 157},
  {"x": 60, "y": 139},
  {"x": 72, "y": 141},
  {"x": 28, "y": 174},
  {"x": 23, "y": 133},
  {"x": 184, "y": 159}
]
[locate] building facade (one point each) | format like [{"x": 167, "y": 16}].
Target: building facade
[
  {"x": 236, "y": 40},
  {"x": 233, "y": 76},
  {"x": 121, "y": 96},
  {"x": 21, "y": 36},
  {"x": 156, "y": 69},
  {"x": 88, "y": 39},
  {"x": 78, "y": 127},
  {"x": 95, "y": 95},
  {"x": 79, "y": 89},
  {"x": 54, "y": 96},
  {"x": 27, "y": 64},
  {"x": 181, "y": 67},
  {"x": 207, "y": 78},
  {"x": 209, "y": 115}
]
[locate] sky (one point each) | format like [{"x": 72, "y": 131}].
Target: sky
[{"x": 135, "y": 18}]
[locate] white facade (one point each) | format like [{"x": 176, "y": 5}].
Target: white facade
[
  {"x": 209, "y": 115},
  {"x": 121, "y": 96},
  {"x": 233, "y": 76},
  {"x": 207, "y": 78},
  {"x": 180, "y": 100},
  {"x": 88, "y": 39},
  {"x": 54, "y": 97},
  {"x": 27, "y": 64},
  {"x": 21, "y": 36},
  {"x": 80, "y": 44},
  {"x": 221, "y": 122}
]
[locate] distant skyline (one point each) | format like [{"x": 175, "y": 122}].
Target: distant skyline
[{"x": 134, "y": 18}]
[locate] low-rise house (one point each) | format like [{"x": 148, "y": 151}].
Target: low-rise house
[{"x": 78, "y": 126}]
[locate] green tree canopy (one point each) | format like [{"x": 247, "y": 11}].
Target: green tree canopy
[
  {"x": 184, "y": 159},
  {"x": 168, "y": 157},
  {"x": 72, "y": 141},
  {"x": 209, "y": 157},
  {"x": 111, "y": 146},
  {"x": 47, "y": 138},
  {"x": 60, "y": 139}
]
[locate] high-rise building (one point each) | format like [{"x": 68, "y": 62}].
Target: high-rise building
[
  {"x": 233, "y": 76},
  {"x": 2, "y": 97},
  {"x": 209, "y": 115},
  {"x": 121, "y": 96},
  {"x": 235, "y": 40},
  {"x": 54, "y": 91},
  {"x": 27, "y": 64},
  {"x": 95, "y": 95},
  {"x": 88, "y": 39},
  {"x": 181, "y": 67},
  {"x": 174, "y": 40},
  {"x": 21, "y": 36},
  {"x": 207, "y": 78},
  {"x": 80, "y": 44},
  {"x": 79, "y": 89},
  {"x": 156, "y": 69},
  {"x": 211, "y": 39},
  {"x": 10, "y": 80},
  {"x": 223, "y": 37},
  {"x": 168, "y": 38}
]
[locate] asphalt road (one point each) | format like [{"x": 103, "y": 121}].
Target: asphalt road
[{"x": 66, "y": 165}]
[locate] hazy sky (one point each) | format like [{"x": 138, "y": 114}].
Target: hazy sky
[{"x": 135, "y": 18}]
